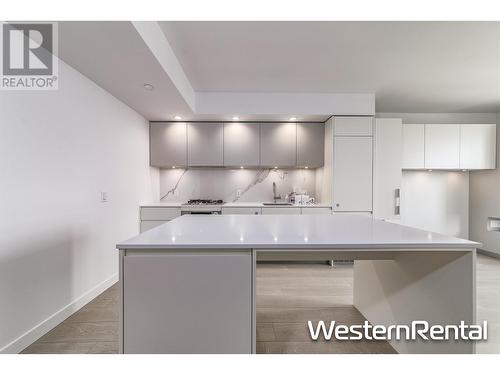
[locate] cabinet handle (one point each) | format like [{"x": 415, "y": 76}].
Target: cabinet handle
[{"x": 397, "y": 201}]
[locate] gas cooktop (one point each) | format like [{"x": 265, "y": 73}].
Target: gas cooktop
[{"x": 204, "y": 202}]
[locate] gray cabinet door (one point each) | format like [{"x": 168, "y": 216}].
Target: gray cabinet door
[
  {"x": 199, "y": 303},
  {"x": 310, "y": 144},
  {"x": 241, "y": 144},
  {"x": 205, "y": 144},
  {"x": 278, "y": 144},
  {"x": 168, "y": 144}
]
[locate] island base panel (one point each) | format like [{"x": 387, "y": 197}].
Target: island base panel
[
  {"x": 187, "y": 302},
  {"x": 438, "y": 287}
]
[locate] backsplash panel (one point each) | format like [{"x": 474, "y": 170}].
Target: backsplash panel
[{"x": 254, "y": 185}]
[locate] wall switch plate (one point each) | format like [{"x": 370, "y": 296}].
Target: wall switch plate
[
  {"x": 238, "y": 193},
  {"x": 104, "y": 196}
]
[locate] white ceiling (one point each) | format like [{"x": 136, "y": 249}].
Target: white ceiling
[
  {"x": 113, "y": 55},
  {"x": 409, "y": 66}
]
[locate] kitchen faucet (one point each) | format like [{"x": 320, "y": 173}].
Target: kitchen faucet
[{"x": 275, "y": 195}]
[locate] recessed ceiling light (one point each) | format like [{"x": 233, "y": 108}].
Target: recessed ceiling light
[
  {"x": 149, "y": 87},
  {"x": 293, "y": 118},
  {"x": 235, "y": 118},
  {"x": 177, "y": 117}
]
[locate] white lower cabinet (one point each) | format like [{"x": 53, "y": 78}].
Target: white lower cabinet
[
  {"x": 150, "y": 224},
  {"x": 241, "y": 210},
  {"x": 151, "y": 217},
  {"x": 160, "y": 213},
  {"x": 316, "y": 211},
  {"x": 365, "y": 214},
  {"x": 280, "y": 210},
  {"x": 195, "y": 302},
  {"x": 352, "y": 174}
]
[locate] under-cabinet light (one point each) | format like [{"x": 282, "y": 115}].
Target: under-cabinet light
[{"x": 177, "y": 117}]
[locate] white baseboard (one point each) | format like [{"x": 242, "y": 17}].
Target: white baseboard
[{"x": 33, "y": 334}]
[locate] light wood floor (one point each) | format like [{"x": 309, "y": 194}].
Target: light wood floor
[{"x": 287, "y": 296}]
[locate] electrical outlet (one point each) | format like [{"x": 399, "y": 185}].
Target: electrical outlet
[
  {"x": 238, "y": 193},
  {"x": 104, "y": 196}
]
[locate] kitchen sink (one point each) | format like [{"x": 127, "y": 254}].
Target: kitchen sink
[{"x": 276, "y": 204}]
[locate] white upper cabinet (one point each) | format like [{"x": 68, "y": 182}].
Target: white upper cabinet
[
  {"x": 442, "y": 146},
  {"x": 352, "y": 174},
  {"x": 413, "y": 146},
  {"x": 168, "y": 144},
  {"x": 241, "y": 144},
  {"x": 449, "y": 146},
  {"x": 478, "y": 146},
  {"x": 310, "y": 144},
  {"x": 205, "y": 144},
  {"x": 353, "y": 126},
  {"x": 278, "y": 144}
]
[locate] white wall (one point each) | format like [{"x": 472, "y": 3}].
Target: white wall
[
  {"x": 58, "y": 150},
  {"x": 224, "y": 183},
  {"x": 485, "y": 202},
  {"x": 437, "y": 201}
]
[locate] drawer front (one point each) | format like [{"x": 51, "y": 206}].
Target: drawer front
[
  {"x": 316, "y": 211},
  {"x": 241, "y": 211},
  {"x": 359, "y": 213},
  {"x": 160, "y": 213},
  {"x": 150, "y": 224},
  {"x": 280, "y": 210}
]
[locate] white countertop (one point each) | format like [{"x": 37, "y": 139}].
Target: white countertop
[
  {"x": 287, "y": 232},
  {"x": 233, "y": 204}
]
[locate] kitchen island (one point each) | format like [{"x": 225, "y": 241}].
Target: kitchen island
[{"x": 188, "y": 286}]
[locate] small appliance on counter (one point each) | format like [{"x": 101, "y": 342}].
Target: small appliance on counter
[{"x": 300, "y": 199}]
